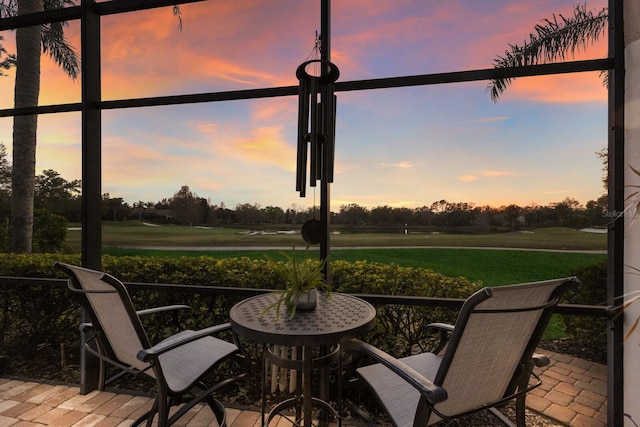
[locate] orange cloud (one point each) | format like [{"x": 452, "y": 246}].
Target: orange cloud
[
  {"x": 560, "y": 89},
  {"x": 285, "y": 108},
  {"x": 467, "y": 178},
  {"x": 403, "y": 165},
  {"x": 556, "y": 192},
  {"x": 491, "y": 173},
  {"x": 223, "y": 45},
  {"x": 264, "y": 145},
  {"x": 137, "y": 160},
  {"x": 484, "y": 173}
]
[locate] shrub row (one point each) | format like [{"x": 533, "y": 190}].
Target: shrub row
[
  {"x": 40, "y": 322},
  {"x": 587, "y": 332},
  {"x": 35, "y": 320}
]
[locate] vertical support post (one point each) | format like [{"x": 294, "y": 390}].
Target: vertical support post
[
  {"x": 307, "y": 368},
  {"x": 91, "y": 168},
  {"x": 325, "y": 186},
  {"x": 91, "y": 137},
  {"x": 616, "y": 201}
]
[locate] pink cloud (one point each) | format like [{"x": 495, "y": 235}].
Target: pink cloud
[
  {"x": 467, "y": 178},
  {"x": 223, "y": 45},
  {"x": 262, "y": 145},
  {"x": 560, "y": 89},
  {"x": 484, "y": 173},
  {"x": 494, "y": 173}
]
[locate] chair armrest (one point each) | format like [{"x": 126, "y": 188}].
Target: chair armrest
[
  {"x": 85, "y": 328},
  {"x": 163, "y": 308},
  {"x": 540, "y": 360},
  {"x": 178, "y": 340},
  {"x": 428, "y": 389},
  {"x": 446, "y": 327},
  {"x": 444, "y": 331}
]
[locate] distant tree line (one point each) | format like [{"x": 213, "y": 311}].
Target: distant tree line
[
  {"x": 58, "y": 199},
  {"x": 466, "y": 216}
]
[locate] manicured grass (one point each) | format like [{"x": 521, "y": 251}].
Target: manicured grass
[
  {"x": 493, "y": 267},
  {"x": 543, "y": 238},
  {"x": 451, "y": 255},
  {"x": 136, "y": 234}
]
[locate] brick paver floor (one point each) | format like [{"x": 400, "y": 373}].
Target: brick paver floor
[{"x": 573, "y": 393}]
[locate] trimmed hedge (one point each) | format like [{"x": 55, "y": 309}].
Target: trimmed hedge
[
  {"x": 588, "y": 332},
  {"x": 35, "y": 320}
]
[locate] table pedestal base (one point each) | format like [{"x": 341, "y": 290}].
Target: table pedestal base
[
  {"x": 296, "y": 402},
  {"x": 303, "y": 402}
]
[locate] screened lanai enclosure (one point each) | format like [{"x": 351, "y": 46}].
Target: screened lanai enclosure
[{"x": 396, "y": 111}]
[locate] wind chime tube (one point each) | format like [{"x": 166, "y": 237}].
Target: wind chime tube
[
  {"x": 320, "y": 147},
  {"x": 303, "y": 126},
  {"x": 330, "y": 132},
  {"x": 315, "y": 128},
  {"x": 329, "y": 101}
]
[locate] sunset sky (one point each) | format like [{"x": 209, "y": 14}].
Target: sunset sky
[{"x": 398, "y": 147}]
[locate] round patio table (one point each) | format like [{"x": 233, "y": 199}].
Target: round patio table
[{"x": 336, "y": 318}]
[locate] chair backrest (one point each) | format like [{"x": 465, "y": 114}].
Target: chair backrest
[
  {"x": 111, "y": 311},
  {"x": 495, "y": 336}
]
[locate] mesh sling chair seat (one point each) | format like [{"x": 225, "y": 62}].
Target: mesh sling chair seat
[
  {"x": 178, "y": 363},
  {"x": 488, "y": 359},
  {"x": 109, "y": 370}
]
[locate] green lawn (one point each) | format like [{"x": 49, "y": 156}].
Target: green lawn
[
  {"x": 491, "y": 266},
  {"x": 136, "y": 234},
  {"x": 449, "y": 254},
  {"x": 541, "y": 254}
]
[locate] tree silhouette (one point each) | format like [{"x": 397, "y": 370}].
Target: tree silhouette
[{"x": 30, "y": 43}]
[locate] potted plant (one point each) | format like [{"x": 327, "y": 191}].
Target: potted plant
[{"x": 302, "y": 280}]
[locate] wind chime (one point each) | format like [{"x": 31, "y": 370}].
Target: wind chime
[{"x": 316, "y": 131}]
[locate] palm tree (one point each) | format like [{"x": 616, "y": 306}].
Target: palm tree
[
  {"x": 555, "y": 39},
  {"x": 26, "y": 92}
]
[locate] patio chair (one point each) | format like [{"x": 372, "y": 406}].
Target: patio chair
[
  {"x": 488, "y": 360},
  {"x": 97, "y": 344},
  {"x": 178, "y": 363}
]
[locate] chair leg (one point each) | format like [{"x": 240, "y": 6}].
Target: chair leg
[
  {"x": 520, "y": 411},
  {"x": 147, "y": 416},
  {"x": 218, "y": 411},
  {"x": 102, "y": 365},
  {"x": 501, "y": 417},
  {"x": 521, "y": 400},
  {"x": 162, "y": 406},
  {"x": 102, "y": 376}
]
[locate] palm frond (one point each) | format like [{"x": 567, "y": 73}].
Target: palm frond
[
  {"x": 56, "y": 46},
  {"x": 628, "y": 299},
  {"x": 53, "y": 41},
  {"x": 8, "y": 8},
  {"x": 9, "y": 60},
  {"x": 177, "y": 12},
  {"x": 554, "y": 39}
]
